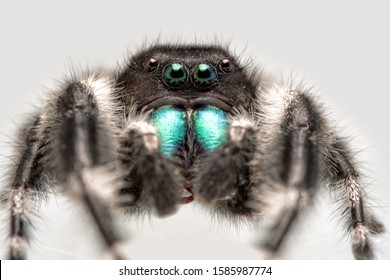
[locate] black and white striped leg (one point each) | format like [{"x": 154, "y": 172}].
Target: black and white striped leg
[
  {"x": 224, "y": 176},
  {"x": 292, "y": 172},
  {"x": 24, "y": 191},
  {"x": 82, "y": 147},
  {"x": 347, "y": 183},
  {"x": 151, "y": 177}
]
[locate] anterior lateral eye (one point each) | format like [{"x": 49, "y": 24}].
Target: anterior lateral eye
[
  {"x": 175, "y": 75},
  {"x": 226, "y": 65},
  {"x": 151, "y": 64},
  {"x": 204, "y": 75},
  {"x": 210, "y": 126},
  {"x": 171, "y": 125}
]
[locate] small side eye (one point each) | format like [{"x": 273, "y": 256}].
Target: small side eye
[
  {"x": 226, "y": 65},
  {"x": 204, "y": 75},
  {"x": 175, "y": 75},
  {"x": 151, "y": 64}
]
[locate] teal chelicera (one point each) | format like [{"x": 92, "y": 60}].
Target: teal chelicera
[
  {"x": 210, "y": 125},
  {"x": 171, "y": 125}
]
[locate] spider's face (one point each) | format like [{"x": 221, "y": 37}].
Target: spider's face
[
  {"x": 188, "y": 77},
  {"x": 187, "y": 88}
]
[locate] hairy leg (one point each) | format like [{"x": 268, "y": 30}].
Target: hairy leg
[
  {"x": 291, "y": 168},
  {"x": 152, "y": 179},
  {"x": 223, "y": 177},
  {"x": 25, "y": 188},
  {"x": 347, "y": 184}
]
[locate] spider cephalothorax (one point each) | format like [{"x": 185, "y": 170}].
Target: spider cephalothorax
[
  {"x": 188, "y": 73},
  {"x": 190, "y": 91},
  {"x": 180, "y": 123}
]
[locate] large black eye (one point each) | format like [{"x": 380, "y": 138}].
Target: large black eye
[
  {"x": 204, "y": 75},
  {"x": 175, "y": 75},
  {"x": 151, "y": 64},
  {"x": 226, "y": 65}
]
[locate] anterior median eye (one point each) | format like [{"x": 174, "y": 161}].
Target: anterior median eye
[
  {"x": 204, "y": 75},
  {"x": 211, "y": 126},
  {"x": 171, "y": 125},
  {"x": 175, "y": 75}
]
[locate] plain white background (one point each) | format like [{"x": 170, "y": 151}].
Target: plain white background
[{"x": 339, "y": 47}]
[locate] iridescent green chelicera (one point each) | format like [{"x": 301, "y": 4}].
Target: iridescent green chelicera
[
  {"x": 171, "y": 125},
  {"x": 204, "y": 75},
  {"x": 175, "y": 75},
  {"x": 211, "y": 127}
]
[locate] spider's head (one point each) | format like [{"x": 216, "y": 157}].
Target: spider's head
[
  {"x": 187, "y": 76},
  {"x": 189, "y": 91}
]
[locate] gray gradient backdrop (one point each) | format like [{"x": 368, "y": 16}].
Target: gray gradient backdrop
[{"x": 339, "y": 47}]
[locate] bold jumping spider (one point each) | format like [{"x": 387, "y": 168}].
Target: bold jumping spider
[{"x": 182, "y": 123}]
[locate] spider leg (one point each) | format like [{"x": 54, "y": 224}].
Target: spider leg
[
  {"x": 289, "y": 169},
  {"x": 347, "y": 182},
  {"x": 25, "y": 185},
  {"x": 64, "y": 145},
  {"x": 223, "y": 177},
  {"x": 151, "y": 178},
  {"x": 82, "y": 153},
  {"x": 296, "y": 187},
  {"x": 300, "y": 151}
]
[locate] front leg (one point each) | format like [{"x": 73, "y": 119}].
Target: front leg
[
  {"x": 68, "y": 147},
  {"x": 223, "y": 175},
  {"x": 300, "y": 151},
  {"x": 290, "y": 164},
  {"x": 152, "y": 179},
  {"x": 347, "y": 183}
]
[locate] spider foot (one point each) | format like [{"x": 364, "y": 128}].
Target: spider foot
[{"x": 361, "y": 245}]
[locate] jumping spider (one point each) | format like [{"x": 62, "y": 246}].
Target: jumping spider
[{"x": 180, "y": 123}]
